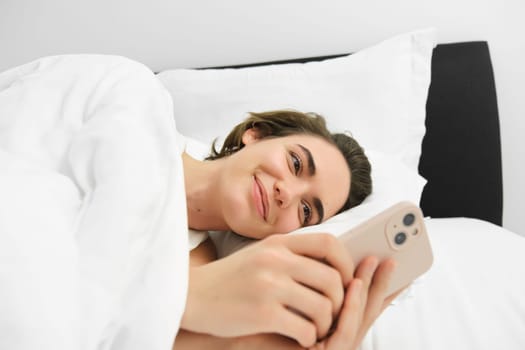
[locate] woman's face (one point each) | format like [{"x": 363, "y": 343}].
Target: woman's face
[{"x": 276, "y": 185}]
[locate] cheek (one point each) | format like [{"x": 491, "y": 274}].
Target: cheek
[
  {"x": 274, "y": 163},
  {"x": 288, "y": 221},
  {"x": 235, "y": 206}
]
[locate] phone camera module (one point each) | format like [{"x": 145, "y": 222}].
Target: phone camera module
[
  {"x": 400, "y": 238},
  {"x": 409, "y": 219}
]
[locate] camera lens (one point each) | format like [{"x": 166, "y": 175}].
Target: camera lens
[
  {"x": 409, "y": 219},
  {"x": 400, "y": 238}
]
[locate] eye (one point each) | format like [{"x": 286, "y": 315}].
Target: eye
[
  {"x": 296, "y": 162},
  {"x": 307, "y": 213}
]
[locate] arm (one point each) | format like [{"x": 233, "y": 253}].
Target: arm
[{"x": 190, "y": 340}]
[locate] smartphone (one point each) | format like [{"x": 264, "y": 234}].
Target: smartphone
[{"x": 398, "y": 232}]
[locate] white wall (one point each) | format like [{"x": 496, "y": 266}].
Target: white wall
[{"x": 172, "y": 33}]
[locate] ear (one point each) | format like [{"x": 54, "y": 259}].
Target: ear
[{"x": 250, "y": 136}]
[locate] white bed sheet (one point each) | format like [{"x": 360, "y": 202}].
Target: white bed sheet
[{"x": 472, "y": 298}]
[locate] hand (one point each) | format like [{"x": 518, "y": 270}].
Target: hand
[
  {"x": 287, "y": 284},
  {"x": 365, "y": 300}
]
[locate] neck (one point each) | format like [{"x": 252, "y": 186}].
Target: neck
[{"x": 202, "y": 194}]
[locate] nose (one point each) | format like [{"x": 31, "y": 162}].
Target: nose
[{"x": 287, "y": 192}]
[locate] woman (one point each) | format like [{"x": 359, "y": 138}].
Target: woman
[{"x": 278, "y": 171}]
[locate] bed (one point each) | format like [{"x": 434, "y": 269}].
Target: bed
[
  {"x": 426, "y": 114},
  {"x": 472, "y": 298}
]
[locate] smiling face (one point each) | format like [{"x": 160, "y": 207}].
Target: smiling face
[{"x": 276, "y": 185}]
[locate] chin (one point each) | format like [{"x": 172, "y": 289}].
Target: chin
[
  {"x": 244, "y": 231},
  {"x": 242, "y": 220},
  {"x": 249, "y": 232}
]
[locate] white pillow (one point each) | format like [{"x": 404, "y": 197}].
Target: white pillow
[{"x": 378, "y": 94}]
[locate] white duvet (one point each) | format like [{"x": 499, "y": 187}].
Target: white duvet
[{"x": 92, "y": 252}]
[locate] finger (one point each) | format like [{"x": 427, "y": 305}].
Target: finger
[
  {"x": 365, "y": 272},
  {"x": 393, "y": 296},
  {"x": 349, "y": 320},
  {"x": 381, "y": 281},
  {"x": 326, "y": 248},
  {"x": 292, "y": 325},
  {"x": 377, "y": 294},
  {"x": 320, "y": 277},
  {"x": 310, "y": 304},
  {"x": 377, "y": 291},
  {"x": 375, "y": 297}
]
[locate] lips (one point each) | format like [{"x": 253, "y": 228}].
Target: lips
[{"x": 260, "y": 198}]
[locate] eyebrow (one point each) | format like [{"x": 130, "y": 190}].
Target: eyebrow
[
  {"x": 309, "y": 160},
  {"x": 311, "y": 172},
  {"x": 320, "y": 210}
]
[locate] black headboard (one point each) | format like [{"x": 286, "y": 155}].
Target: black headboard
[{"x": 461, "y": 151}]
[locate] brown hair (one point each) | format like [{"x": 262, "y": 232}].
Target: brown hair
[{"x": 288, "y": 122}]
